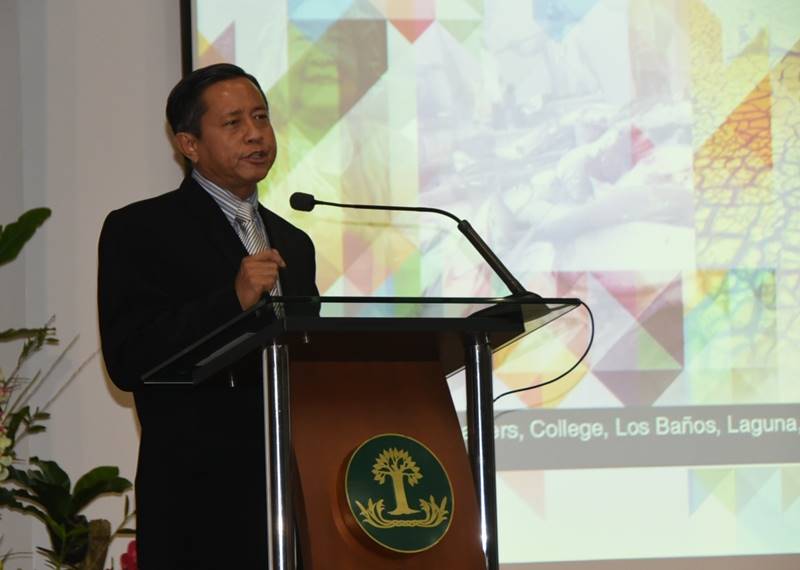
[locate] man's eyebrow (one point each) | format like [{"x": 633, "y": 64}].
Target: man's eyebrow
[{"x": 241, "y": 111}]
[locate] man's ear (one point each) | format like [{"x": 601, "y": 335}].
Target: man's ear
[{"x": 187, "y": 144}]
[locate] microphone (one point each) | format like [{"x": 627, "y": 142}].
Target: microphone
[
  {"x": 302, "y": 201},
  {"x": 306, "y": 202}
]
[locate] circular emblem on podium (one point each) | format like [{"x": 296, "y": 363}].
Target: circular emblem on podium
[{"x": 399, "y": 493}]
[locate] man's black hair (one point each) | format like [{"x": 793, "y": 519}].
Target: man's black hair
[{"x": 185, "y": 106}]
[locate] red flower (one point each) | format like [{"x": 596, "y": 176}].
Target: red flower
[{"x": 128, "y": 560}]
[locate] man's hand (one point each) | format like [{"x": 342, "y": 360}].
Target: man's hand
[{"x": 257, "y": 275}]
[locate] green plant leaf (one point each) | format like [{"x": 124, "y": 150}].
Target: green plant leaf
[
  {"x": 75, "y": 541},
  {"x": 18, "y": 476},
  {"x": 98, "y": 481},
  {"x": 54, "y": 500},
  {"x": 48, "y": 486},
  {"x": 50, "y": 472},
  {"x": 40, "y": 416},
  {"x": 24, "y": 495},
  {"x": 78, "y": 531},
  {"x": 9, "y": 499},
  {"x": 16, "y": 234},
  {"x": 58, "y": 530},
  {"x": 51, "y": 558},
  {"x": 19, "y": 334},
  {"x": 13, "y": 424}
]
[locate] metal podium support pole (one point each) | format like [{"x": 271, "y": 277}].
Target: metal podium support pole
[
  {"x": 277, "y": 438},
  {"x": 480, "y": 440}
]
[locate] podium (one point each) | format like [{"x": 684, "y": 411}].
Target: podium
[{"x": 358, "y": 419}]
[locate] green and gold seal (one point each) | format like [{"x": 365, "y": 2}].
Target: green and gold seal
[{"x": 399, "y": 493}]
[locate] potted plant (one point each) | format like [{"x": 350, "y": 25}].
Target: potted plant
[{"x": 40, "y": 487}]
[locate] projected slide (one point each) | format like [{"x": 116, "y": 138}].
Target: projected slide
[{"x": 643, "y": 155}]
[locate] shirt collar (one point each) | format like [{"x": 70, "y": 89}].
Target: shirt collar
[{"x": 228, "y": 202}]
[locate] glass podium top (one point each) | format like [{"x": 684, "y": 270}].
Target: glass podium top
[
  {"x": 412, "y": 307},
  {"x": 361, "y": 327},
  {"x": 534, "y": 311}
]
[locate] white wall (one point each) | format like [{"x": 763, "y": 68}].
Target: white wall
[
  {"x": 15, "y": 529},
  {"x": 90, "y": 137},
  {"x": 12, "y": 276}
]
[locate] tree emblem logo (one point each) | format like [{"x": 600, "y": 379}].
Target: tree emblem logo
[{"x": 399, "y": 493}]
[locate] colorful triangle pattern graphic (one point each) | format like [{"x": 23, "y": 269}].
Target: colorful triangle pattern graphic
[
  {"x": 790, "y": 487},
  {"x": 642, "y": 362},
  {"x": 221, "y": 50},
  {"x": 411, "y": 29},
  {"x": 557, "y": 18},
  {"x": 740, "y": 488},
  {"x": 529, "y": 486}
]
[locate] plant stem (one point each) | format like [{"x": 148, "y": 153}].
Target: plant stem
[
  {"x": 70, "y": 379},
  {"x": 16, "y": 402},
  {"x": 41, "y": 379}
]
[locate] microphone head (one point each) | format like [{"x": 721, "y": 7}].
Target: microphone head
[{"x": 302, "y": 201}]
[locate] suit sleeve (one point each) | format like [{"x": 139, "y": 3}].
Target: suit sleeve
[
  {"x": 302, "y": 270},
  {"x": 309, "y": 277},
  {"x": 141, "y": 322}
]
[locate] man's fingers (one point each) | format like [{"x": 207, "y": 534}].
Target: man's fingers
[
  {"x": 257, "y": 275},
  {"x": 268, "y": 255},
  {"x": 258, "y": 272}
]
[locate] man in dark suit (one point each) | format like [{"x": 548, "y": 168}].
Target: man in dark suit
[{"x": 172, "y": 269}]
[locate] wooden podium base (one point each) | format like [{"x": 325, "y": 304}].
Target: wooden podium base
[{"x": 335, "y": 407}]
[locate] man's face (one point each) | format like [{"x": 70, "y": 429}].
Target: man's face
[{"x": 236, "y": 147}]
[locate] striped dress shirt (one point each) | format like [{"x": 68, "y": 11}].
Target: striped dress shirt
[{"x": 230, "y": 204}]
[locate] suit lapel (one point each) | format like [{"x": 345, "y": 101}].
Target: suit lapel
[
  {"x": 206, "y": 218},
  {"x": 277, "y": 240},
  {"x": 210, "y": 222}
]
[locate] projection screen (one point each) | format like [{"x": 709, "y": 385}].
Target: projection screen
[{"x": 643, "y": 155}]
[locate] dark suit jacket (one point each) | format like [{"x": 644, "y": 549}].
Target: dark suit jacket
[{"x": 166, "y": 278}]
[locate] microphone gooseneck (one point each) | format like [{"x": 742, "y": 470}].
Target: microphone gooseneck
[
  {"x": 494, "y": 262},
  {"x": 306, "y": 202}
]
